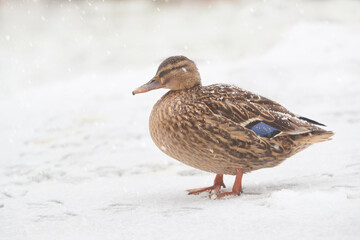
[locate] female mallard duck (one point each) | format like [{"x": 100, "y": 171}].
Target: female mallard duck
[{"x": 220, "y": 128}]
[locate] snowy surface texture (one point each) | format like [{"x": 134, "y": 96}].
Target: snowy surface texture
[{"x": 77, "y": 161}]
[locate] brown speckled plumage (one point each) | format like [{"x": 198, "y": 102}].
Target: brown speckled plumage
[{"x": 206, "y": 127}]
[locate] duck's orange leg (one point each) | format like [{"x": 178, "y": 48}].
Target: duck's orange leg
[
  {"x": 218, "y": 183},
  {"x": 237, "y": 188}
]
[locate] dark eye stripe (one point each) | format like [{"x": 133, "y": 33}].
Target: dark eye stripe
[{"x": 163, "y": 73}]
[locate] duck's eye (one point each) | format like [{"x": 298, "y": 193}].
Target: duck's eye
[
  {"x": 262, "y": 129},
  {"x": 162, "y": 80}
]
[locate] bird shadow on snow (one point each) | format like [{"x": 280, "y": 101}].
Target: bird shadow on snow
[{"x": 175, "y": 202}]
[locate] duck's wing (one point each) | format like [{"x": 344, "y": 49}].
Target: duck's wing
[{"x": 259, "y": 114}]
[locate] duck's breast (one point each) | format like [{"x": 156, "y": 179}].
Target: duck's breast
[{"x": 179, "y": 126}]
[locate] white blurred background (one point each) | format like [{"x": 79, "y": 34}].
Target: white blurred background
[{"x": 42, "y": 41}]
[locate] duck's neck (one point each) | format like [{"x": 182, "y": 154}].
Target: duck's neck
[{"x": 188, "y": 89}]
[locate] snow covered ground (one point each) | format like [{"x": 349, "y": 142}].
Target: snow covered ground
[{"x": 77, "y": 161}]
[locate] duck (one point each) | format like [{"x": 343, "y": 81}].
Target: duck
[{"x": 223, "y": 129}]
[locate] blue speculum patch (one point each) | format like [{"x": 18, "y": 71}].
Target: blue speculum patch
[{"x": 263, "y": 130}]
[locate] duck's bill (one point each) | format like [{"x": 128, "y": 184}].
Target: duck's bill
[{"x": 151, "y": 85}]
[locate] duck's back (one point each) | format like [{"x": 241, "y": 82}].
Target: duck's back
[{"x": 219, "y": 128}]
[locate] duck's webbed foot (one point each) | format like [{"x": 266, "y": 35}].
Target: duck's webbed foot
[
  {"x": 218, "y": 183},
  {"x": 224, "y": 194}
]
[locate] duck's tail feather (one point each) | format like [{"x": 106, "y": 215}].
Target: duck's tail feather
[{"x": 314, "y": 137}]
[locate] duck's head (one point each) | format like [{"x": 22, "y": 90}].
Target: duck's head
[{"x": 174, "y": 73}]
